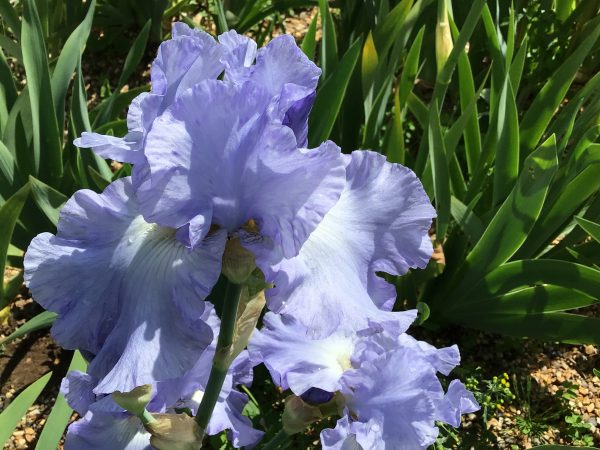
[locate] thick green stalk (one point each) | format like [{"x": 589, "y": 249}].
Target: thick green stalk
[{"x": 221, "y": 360}]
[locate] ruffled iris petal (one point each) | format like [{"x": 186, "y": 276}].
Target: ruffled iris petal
[
  {"x": 289, "y": 76},
  {"x": 458, "y": 401},
  {"x": 226, "y": 163},
  {"x": 296, "y": 360},
  {"x": 380, "y": 223},
  {"x": 112, "y": 279},
  {"x": 102, "y": 431},
  {"x": 400, "y": 393}
]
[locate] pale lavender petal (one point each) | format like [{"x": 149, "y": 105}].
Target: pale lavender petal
[
  {"x": 239, "y": 55},
  {"x": 182, "y": 62},
  {"x": 444, "y": 360},
  {"x": 289, "y": 76},
  {"x": 380, "y": 223},
  {"x": 228, "y": 416},
  {"x": 112, "y": 279},
  {"x": 120, "y": 149},
  {"x": 115, "y": 431},
  {"x": 77, "y": 387},
  {"x": 340, "y": 437},
  {"x": 458, "y": 401},
  {"x": 228, "y": 155},
  {"x": 401, "y": 393},
  {"x": 298, "y": 361}
]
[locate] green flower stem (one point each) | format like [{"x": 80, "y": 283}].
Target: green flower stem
[
  {"x": 278, "y": 442},
  {"x": 146, "y": 417},
  {"x": 221, "y": 361}
]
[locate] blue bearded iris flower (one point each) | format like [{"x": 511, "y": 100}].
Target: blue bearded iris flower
[
  {"x": 390, "y": 393},
  {"x": 218, "y": 154}
]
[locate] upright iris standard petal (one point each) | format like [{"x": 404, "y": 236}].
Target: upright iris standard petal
[
  {"x": 192, "y": 56},
  {"x": 290, "y": 78},
  {"x": 126, "y": 291},
  {"x": 188, "y": 58},
  {"x": 380, "y": 223},
  {"x": 226, "y": 164}
]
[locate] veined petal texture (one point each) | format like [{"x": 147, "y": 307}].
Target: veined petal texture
[
  {"x": 126, "y": 291},
  {"x": 192, "y": 56},
  {"x": 380, "y": 223},
  {"x": 101, "y": 416},
  {"x": 226, "y": 163}
]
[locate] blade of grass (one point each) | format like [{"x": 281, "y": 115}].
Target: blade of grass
[
  {"x": 9, "y": 418},
  {"x": 42, "y": 320},
  {"x": 309, "y": 43},
  {"x": 329, "y": 50},
  {"x": 46, "y": 135},
  {"x": 516, "y": 217},
  {"x": 49, "y": 200},
  {"x": 439, "y": 167},
  {"x": 9, "y": 214},
  {"x": 543, "y": 107},
  {"x": 67, "y": 61},
  {"x": 61, "y": 412},
  {"x": 330, "y": 96}
]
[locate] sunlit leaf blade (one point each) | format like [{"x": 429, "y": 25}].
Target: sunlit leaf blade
[
  {"x": 411, "y": 68},
  {"x": 330, "y": 96},
  {"x": 558, "y": 326},
  {"x": 506, "y": 169},
  {"x": 8, "y": 91},
  {"x": 393, "y": 146},
  {"x": 329, "y": 50},
  {"x": 61, "y": 413},
  {"x": 541, "y": 110},
  {"x": 510, "y": 226},
  {"x": 9, "y": 214},
  {"x": 439, "y": 167},
  {"x": 9, "y": 418},
  {"x": 468, "y": 97},
  {"x": 47, "y": 138},
  {"x": 466, "y": 219},
  {"x": 560, "y": 209},
  {"x": 8, "y": 168},
  {"x": 39, "y": 322},
  {"x": 592, "y": 228},
  {"x": 388, "y": 31},
  {"x": 309, "y": 43},
  {"x": 516, "y": 274},
  {"x": 67, "y": 61},
  {"x": 516, "y": 68},
  {"x": 48, "y": 199}
]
